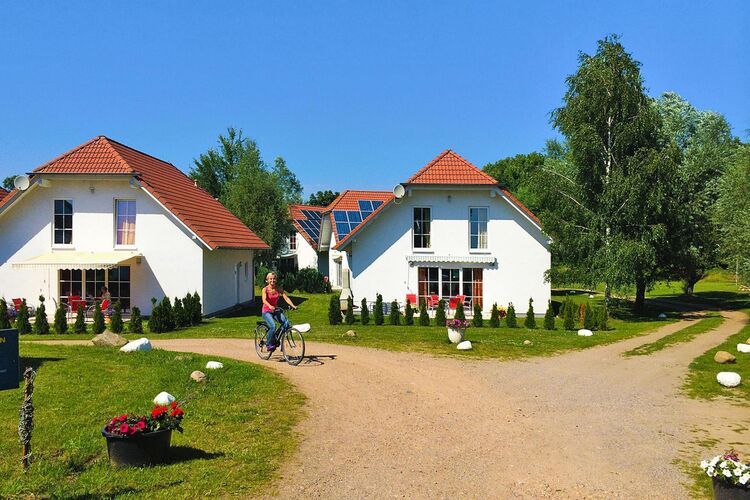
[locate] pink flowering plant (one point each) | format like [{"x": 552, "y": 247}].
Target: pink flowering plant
[
  {"x": 168, "y": 418},
  {"x": 728, "y": 468},
  {"x": 457, "y": 324}
]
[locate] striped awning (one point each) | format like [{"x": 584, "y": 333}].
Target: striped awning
[
  {"x": 76, "y": 260},
  {"x": 451, "y": 259}
]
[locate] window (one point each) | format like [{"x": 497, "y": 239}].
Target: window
[
  {"x": 472, "y": 284},
  {"x": 429, "y": 283},
  {"x": 95, "y": 280},
  {"x": 71, "y": 281},
  {"x": 63, "y": 224},
  {"x": 421, "y": 228},
  {"x": 119, "y": 286},
  {"x": 125, "y": 222},
  {"x": 293, "y": 241},
  {"x": 451, "y": 282},
  {"x": 477, "y": 228}
]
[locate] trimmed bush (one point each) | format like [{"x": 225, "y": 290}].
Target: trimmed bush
[
  {"x": 155, "y": 324},
  {"x": 310, "y": 280},
  {"x": 349, "y": 311},
  {"x": 549, "y": 317},
  {"x": 589, "y": 321},
  {"x": 288, "y": 282},
  {"x": 4, "y": 316},
  {"x": 510, "y": 320},
  {"x": 61, "y": 320},
  {"x": 603, "y": 318},
  {"x": 569, "y": 322},
  {"x": 167, "y": 314},
  {"x": 408, "y": 314},
  {"x": 260, "y": 276},
  {"x": 378, "y": 312},
  {"x": 196, "y": 318},
  {"x": 494, "y": 317},
  {"x": 136, "y": 321},
  {"x": 22, "y": 319},
  {"x": 440, "y": 313},
  {"x": 181, "y": 317},
  {"x": 80, "y": 325},
  {"x": 477, "y": 319},
  {"x": 424, "y": 318},
  {"x": 365, "y": 314},
  {"x": 530, "y": 321},
  {"x": 395, "y": 316},
  {"x": 115, "y": 323},
  {"x": 334, "y": 311},
  {"x": 41, "y": 325},
  {"x": 459, "y": 314},
  {"x": 98, "y": 326}
]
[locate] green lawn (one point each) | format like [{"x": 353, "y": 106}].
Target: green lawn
[
  {"x": 701, "y": 380},
  {"x": 679, "y": 337},
  {"x": 238, "y": 426}
]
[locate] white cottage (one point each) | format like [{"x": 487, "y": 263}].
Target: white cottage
[
  {"x": 105, "y": 214},
  {"x": 450, "y": 232}
]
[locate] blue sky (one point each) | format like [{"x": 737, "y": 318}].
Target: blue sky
[{"x": 351, "y": 95}]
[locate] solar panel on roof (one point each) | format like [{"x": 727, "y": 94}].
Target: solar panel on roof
[
  {"x": 340, "y": 216},
  {"x": 342, "y": 228},
  {"x": 376, "y": 204},
  {"x": 311, "y": 215},
  {"x": 354, "y": 216},
  {"x": 365, "y": 205}
]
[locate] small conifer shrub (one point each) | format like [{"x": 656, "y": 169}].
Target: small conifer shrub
[
  {"x": 477, "y": 320},
  {"x": 136, "y": 321},
  {"x": 41, "y": 325},
  {"x": 530, "y": 321},
  {"x": 395, "y": 314},
  {"x": 23, "y": 325},
  {"x": 378, "y": 312},
  {"x": 424, "y": 318},
  {"x": 510, "y": 320},
  {"x": 98, "y": 326},
  {"x": 334, "y": 311},
  {"x": 494, "y": 316},
  {"x": 80, "y": 325},
  {"x": 115, "y": 323},
  {"x": 4, "y": 316},
  {"x": 549, "y": 317},
  {"x": 408, "y": 314},
  {"x": 440, "y": 313},
  {"x": 349, "y": 311},
  {"x": 365, "y": 314},
  {"x": 61, "y": 320}
]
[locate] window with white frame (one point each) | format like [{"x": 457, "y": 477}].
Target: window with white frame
[
  {"x": 293, "y": 241},
  {"x": 450, "y": 283},
  {"x": 428, "y": 283},
  {"x": 421, "y": 227},
  {"x": 473, "y": 284},
  {"x": 63, "y": 222},
  {"x": 478, "y": 228},
  {"x": 125, "y": 222}
]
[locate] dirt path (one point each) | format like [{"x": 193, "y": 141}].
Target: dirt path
[
  {"x": 583, "y": 424},
  {"x": 588, "y": 424}
]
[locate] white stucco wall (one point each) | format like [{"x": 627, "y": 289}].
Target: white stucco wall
[
  {"x": 307, "y": 256},
  {"x": 377, "y": 257},
  {"x": 172, "y": 261},
  {"x": 227, "y": 278}
]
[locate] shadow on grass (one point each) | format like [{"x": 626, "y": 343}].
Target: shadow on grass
[
  {"x": 254, "y": 309},
  {"x": 179, "y": 454},
  {"x": 35, "y": 363}
]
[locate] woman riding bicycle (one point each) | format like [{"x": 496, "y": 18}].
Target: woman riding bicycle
[{"x": 270, "y": 312}]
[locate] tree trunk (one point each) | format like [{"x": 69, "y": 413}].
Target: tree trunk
[{"x": 640, "y": 294}]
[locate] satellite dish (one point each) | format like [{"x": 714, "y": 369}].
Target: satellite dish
[
  {"x": 22, "y": 182},
  {"x": 399, "y": 191}
]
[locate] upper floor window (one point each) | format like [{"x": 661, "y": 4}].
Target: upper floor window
[
  {"x": 477, "y": 228},
  {"x": 125, "y": 222},
  {"x": 293, "y": 241},
  {"x": 421, "y": 228},
  {"x": 63, "y": 224}
]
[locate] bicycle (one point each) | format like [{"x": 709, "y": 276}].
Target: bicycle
[{"x": 290, "y": 340}]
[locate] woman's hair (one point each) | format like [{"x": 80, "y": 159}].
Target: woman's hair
[{"x": 269, "y": 275}]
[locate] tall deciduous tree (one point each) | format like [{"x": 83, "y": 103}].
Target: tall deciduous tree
[
  {"x": 706, "y": 144},
  {"x": 288, "y": 182},
  {"x": 518, "y": 173},
  {"x": 732, "y": 214},
  {"x": 8, "y": 183},
  {"x": 322, "y": 198},
  {"x": 610, "y": 198}
]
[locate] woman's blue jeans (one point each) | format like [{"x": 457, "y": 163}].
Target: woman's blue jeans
[{"x": 269, "y": 319}]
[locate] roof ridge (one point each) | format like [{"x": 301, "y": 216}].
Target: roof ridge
[
  {"x": 122, "y": 160},
  {"x": 456, "y": 164},
  {"x": 137, "y": 151},
  {"x": 431, "y": 163},
  {"x": 67, "y": 153}
]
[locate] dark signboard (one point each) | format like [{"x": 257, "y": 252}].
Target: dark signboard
[{"x": 9, "y": 370}]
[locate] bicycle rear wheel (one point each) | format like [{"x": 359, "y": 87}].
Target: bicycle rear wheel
[
  {"x": 293, "y": 347},
  {"x": 261, "y": 332}
]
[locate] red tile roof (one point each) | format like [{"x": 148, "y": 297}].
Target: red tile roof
[
  {"x": 450, "y": 168},
  {"x": 204, "y": 215},
  {"x": 3, "y": 192},
  {"x": 295, "y": 211},
  {"x": 349, "y": 200}
]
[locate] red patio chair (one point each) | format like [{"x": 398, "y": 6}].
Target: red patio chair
[
  {"x": 453, "y": 302},
  {"x": 74, "y": 301},
  {"x": 434, "y": 299},
  {"x": 17, "y": 303},
  {"x": 411, "y": 298}
]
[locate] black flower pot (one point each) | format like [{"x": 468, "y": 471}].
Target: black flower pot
[
  {"x": 139, "y": 450},
  {"x": 727, "y": 491}
]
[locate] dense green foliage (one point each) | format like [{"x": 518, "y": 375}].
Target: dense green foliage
[
  {"x": 440, "y": 313},
  {"x": 136, "y": 321},
  {"x": 115, "y": 324},
  {"x": 378, "y": 312},
  {"x": 365, "y": 313},
  {"x": 459, "y": 313},
  {"x": 41, "y": 325},
  {"x": 530, "y": 321},
  {"x": 549, "y": 317},
  {"x": 61, "y": 320},
  {"x": 23, "y": 325},
  {"x": 394, "y": 318},
  {"x": 310, "y": 280},
  {"x": 4, "y": 316},
  {"x": 569, "y": 315},
  {"x": 408, "y": 314},
  {"x": 167, "y": 314},
  {"x": 732, "y": 214},
  {"x": 510, "y": 319},
  {"x": 181, "y": 318},
  {"x": 334, "y": 311},
  {"x": 322, "y": 198},
  {"x": 589, "y": 320},
  {"x": 494, "y": 317},
  {"x": 518, "y": 174},
  {"x": 477, "y": 320},
  {"x": 80, "y": 325},
  {"x": 349, "y": 318},
  {"x": 424, "y": 318},
  {"x": 98, "y": 326}
]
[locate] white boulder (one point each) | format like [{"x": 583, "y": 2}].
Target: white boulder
[
  {"x": 163, "y": 399},
  {"x": 214, "y": 365},
  {"x": 591, "y": 295},
  {"x": 743, "y": 347},
  {"x": 584, "y": 332},
  {"x": 464, "y": 346},
  {"x": 142, "y": 344},
  {"x": 662, "y": 316},
  {"x": 729, "y": 379}
]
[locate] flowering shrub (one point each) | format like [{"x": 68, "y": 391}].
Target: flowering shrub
[
  {"x": 161, "y": 418},
  {"x": 502, "y": 312},
  {"x": 728, "y": 468},
  {"x": 457, "y": 323}
]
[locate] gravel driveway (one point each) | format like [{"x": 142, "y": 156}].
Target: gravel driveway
[{"x": 583, "y": 424}]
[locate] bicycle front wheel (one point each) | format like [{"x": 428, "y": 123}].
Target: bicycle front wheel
[
  {"x": 261, "y": 332},
  {"x": 293, "y": 347}
]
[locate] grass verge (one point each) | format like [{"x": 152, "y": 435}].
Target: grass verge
[
  {"x": 238, "y": 426},
  {"x": 679, "y": 337}
]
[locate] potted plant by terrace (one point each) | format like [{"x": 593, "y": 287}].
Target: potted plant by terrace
[
  {"x": 137, "y": 440},
  {"x": 730, "y": 476},
  {"x": 456, "y": 329}
]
